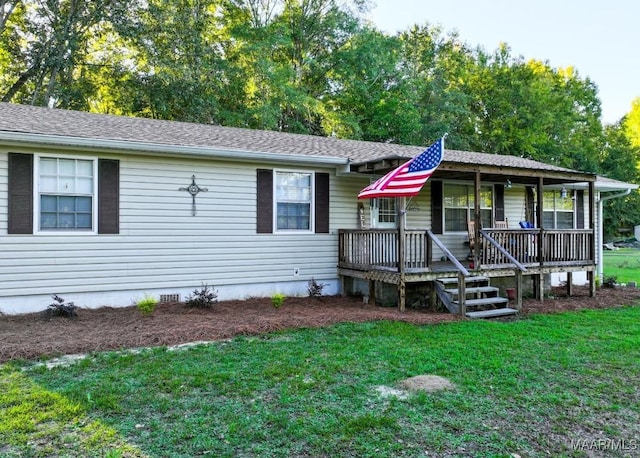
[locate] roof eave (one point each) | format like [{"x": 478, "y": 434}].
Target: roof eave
[{"x": 109, "y": 145}]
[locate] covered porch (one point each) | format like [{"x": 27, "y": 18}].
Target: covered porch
[{"x": 433, "y": 251}]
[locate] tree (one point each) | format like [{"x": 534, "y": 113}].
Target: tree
[
  {"x": 531, "y": 110},
  {"x": 436, "y": 68},
  {"x": 618, "y": 153},
  {"x": 631, "y": 123},
  {"x": 52, "y": 45}
]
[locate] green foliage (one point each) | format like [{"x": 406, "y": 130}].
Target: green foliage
[
  {"x": 314, "y": 289},
  {"x": 313, "y": 67},
  {"x": 61, "y": 308},
  {"x": 35, "y": 421},
  {"x": 609, "y": 281},
  {"x": 623, "y": 265},
  {"x": 147, "y": 304},
  {"x": 277, "y": 299},
  {"x": 202, "y": 298},
  {"x": 320, "y": 390},
  {"x": 632, "y": 123}
]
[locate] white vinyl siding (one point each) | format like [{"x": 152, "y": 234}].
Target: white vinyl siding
[{"x": 162, "y": 246}]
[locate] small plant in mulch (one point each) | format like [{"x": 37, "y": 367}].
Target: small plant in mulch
[
  {"x": 59, "y": 307},
  {"x": 204, "y": 297},
  {"x": 277, "y": 299},
  {"x": 314, "y": 288},
  {"x": 147, "y": 304},
  {"x": 610, "y": 281}
]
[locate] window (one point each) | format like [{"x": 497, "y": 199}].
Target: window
[
  {"x": 284, "y": 201},
  {"x": 66, "y": 189},
  {"x": 63, "y": 194},
  {"x": 458, "y": 203},
  {"x": 293, "y": 201},
  {"x": 383, "y": 212},
  {"x": 557, "y": 211},
  {"x": 387, "y": 210}
]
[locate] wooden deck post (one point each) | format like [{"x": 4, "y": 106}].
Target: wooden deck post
[
  {"x": 591, "y": 275},
  {"x": 402, "y": 254},
  {"x": 372, "y": 292},
  {"x": 518, "y": 289},
  {"x": 462, "y": 294},
  {"x": 569, "y": 284}
]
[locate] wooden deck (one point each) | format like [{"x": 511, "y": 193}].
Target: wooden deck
[
  {"x": 375, "y": 254},
  {"x": 378, "y": 249}
]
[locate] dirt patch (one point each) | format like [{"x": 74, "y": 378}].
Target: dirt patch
[
  {"x": 428, "y": 383},
  {"x": 32, "y": 336}
]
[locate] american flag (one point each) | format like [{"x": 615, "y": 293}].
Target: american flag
[{"x": 408, "y": 179}]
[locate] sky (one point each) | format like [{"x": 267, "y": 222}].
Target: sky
[{"x": 600, "y": 39}]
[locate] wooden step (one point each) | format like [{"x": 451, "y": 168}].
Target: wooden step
[
  {"x": 475, "y": 290},
  {"x": 492, "y": 313},
  {"x": 484, "y": 301},
  {"x": 468, "y": 280}
]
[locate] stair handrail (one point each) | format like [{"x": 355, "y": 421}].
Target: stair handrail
[
  {"x": 503, "y": 250},
  {"x": 448, "y": 253}
]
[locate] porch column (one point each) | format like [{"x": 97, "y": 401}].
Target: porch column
[
  {"x": 540, "y": 208},
  {"x": 402, "y": 256},
  {"x": 477, "y": 219},
  {"x": 592, "y": 226}
]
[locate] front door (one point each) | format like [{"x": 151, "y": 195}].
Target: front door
[{"x": 384, "y": 213}]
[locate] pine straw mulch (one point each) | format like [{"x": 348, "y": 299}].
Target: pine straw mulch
[{"x": 32, "y": 336}]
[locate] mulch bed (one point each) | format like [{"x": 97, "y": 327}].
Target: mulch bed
[{"x": 32, "y": 336}]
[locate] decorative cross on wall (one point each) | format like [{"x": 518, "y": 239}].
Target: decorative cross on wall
[{"x": 193, "y": 189}]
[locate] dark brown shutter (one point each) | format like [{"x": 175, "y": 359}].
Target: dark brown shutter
[
  {"x": 108, "y": 196},
  {"x": 530, "y": 205},
  {"x": 265, "y": 201},
  {"x": 579, "y": 209},
  {"x": 20, "y": 194},
  {"x": 499, "y": 202},
  {"x": 436, "y": 207},
  {"x": 322, "y": 203}
]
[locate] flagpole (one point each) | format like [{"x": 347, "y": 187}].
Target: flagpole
[{"x": 402, "y": 220}]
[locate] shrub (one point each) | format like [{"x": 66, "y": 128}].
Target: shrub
[
  {"x": 314, "y": 288},
  {"x": 147, "y": 304},
  {"x": 610, "y": 281},
  {"x": 61, "y": 308},
  {"x": 277, "y": 299},
  {"x": 202, "y": 298}
]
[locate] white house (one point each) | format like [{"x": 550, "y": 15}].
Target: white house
[{"x": 102, "y": 209}]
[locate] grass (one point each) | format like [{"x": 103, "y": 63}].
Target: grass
[
  {"x": 528, "y": 387},
  {"x": 624, "y": 264}
]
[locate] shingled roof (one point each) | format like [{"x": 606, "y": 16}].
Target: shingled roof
[{"x": 38, "y": 121}]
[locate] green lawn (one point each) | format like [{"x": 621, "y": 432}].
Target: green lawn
[
  {"x": 530, "y": 387},
  {"x": 624, "y": 264}
]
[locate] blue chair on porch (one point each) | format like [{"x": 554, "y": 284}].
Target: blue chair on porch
[{"x": 530, "y": 253}]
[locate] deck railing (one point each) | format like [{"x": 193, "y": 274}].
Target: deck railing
[
  {"x": 378, "y": 248},
  {"x": 559, "y": 246}
]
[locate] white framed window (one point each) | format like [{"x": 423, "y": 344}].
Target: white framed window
[
  {"x": 65, "y": 195},
  {"x": 459, "y": 205},
  {"x": 294, "y": 191},
  {"x": 383, "y": 212},
  {"x": 558, "y": 212}
]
